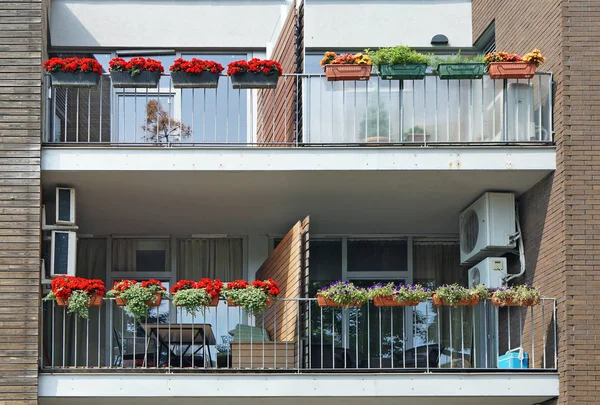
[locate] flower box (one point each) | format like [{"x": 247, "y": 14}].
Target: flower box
[
  {"x": 95, "y": 301},
  {"x": 439, "y": 302},
  {"x": 120, "y": 302},
  {"x": 157, "y": 300},
  {"x": 390, "y": 301},
  {"x": 76, "y": 79},
  {"x": 202, "y": 80},
  {"x": 511, "y": 70},
  {"x": 335, "y": 73},
  {"x": 457, "y": 71},
  {"x": 328, "y": 302},
  {"x": 124, "y": 79},
  {"x": 510, "y": 303},
  {"x": 251, "y": 80},
  {"x": 409, "y": 71}
]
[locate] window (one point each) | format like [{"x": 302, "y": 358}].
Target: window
[
  {"x": 377, "y": 255},
  {"x": 140, "y": 255}
]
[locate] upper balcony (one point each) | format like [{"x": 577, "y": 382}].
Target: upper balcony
[{"x": 306, "y": 110}]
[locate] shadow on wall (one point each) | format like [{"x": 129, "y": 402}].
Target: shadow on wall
[{"x": 61, "y": 14}]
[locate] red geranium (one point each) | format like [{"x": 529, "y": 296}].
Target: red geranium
[
  {"x": 195, "y": 66},
  {"x": 212, "y": 287},
  {"x": 153, "y": 285},
  {"x": 237, "y": 285},
  {"x": 121, "y": 286},
  {"x": 269, "y": 286},
  {"x": 135, "y": 65},
  {"x": 255, "y": 65},
  {"x": 73, "y": 65},
  {"x": 183, "y": 285},
  {"x": 63, "y": 286}
]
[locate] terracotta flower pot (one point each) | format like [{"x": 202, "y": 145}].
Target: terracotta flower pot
[
  {"x": 120, "y": 302},
  {"x": 335, "y": 73},
  {"x": 61, "y": 302},
  {"x": 511, "y": 70},
  {"x": 439, "y": 302},
  {"x": 214, "y": 301},
  {"x": 510, "y": 303},
  {"x": 327, "y": 302},
  {"x": 95, "y": 300},
  {"x": 232, "y": 303},
  {"x": 390, "y": 301},
  {"x": 269, "y": 302},
  {"x": 157, "y": 300}
]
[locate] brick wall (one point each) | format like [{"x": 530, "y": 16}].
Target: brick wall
[
  {"x": 561, "y": 214},
  {"x": 22, "y": 44}
]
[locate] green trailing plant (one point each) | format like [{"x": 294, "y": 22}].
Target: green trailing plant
[
  {"x": 481, "y": 291},
  {"x": 252, "y": 299},
  {"x": 401, "y": 293},
  {"x": 137, "y": 296},
  {"x": 345, "y": 293},
  {"x": 76, "y": 293},
  {"x": 524, "y": 295},
  {"x": 452, "y": 294},
  {"x": 187, "y": 294},
  {"x": 398, "y": 55}
]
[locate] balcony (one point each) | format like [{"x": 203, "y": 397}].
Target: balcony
[
  {"x": 306, "y": 110},
  {"x": 298, "y": 336}
]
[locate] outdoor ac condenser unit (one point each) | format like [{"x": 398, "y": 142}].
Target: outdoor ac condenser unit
[
  {"x": 490, "y": 272},
  {"x": 64, "y": 246},
  {"x": 487, "y": 227},
  {"x": 65, "y": 206},
  {"x": 520, "y": 118}
]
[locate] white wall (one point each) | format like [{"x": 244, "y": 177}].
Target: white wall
[
  {"x": 164, "y": 24},
  {"x": 339, "y": 24}
]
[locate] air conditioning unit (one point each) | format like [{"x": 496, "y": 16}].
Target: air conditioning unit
[
  {"x": 487, "y": 227},
  {"x": 65, "y": 206},
  {"x": 63, "y": 250},
  {"x": 490, "y": 272}
]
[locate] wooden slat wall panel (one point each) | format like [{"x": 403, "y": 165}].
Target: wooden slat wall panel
[
  {"x": 277, "y": 108},
  {"x": 22, "y": 50},
  {"x": 286, "y": 266}
]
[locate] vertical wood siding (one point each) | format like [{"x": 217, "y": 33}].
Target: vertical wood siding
[{"x": 22, "y": 45}]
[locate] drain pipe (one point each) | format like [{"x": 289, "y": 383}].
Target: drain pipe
[{"x": 521, "y": 247}]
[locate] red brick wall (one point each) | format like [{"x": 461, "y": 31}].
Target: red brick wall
[{"x": 561, "y": 214}]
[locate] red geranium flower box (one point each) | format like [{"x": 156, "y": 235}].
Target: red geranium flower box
[
  {"x": 254, "y": 74},
  {"x": 195, "y": 73},
  {"x": 74, "y": 72},
  {"x": 135, "y": 73}
]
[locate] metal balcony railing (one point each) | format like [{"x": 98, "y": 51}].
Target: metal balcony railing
[
  {"x": 296, "y": 335},
  {"x": 305, "y": 109}
]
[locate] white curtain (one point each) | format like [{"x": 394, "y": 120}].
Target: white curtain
[{"x": 213, "y": 258}]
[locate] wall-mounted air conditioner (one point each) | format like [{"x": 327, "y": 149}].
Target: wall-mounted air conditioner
[
  {"x": 64, "y": 247},
  {"x": 487, "y": 227},
  {"x": 65, "y": 206},
  {"x": 490, "y": 272}
]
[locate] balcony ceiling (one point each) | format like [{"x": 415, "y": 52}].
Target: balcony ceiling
[{"x": 239, "y": 202}]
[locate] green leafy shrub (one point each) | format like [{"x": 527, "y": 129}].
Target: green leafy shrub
[{"x": 398, "y": 55}]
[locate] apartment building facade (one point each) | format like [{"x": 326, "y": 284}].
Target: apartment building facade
[{"x": 309, "y": 183}]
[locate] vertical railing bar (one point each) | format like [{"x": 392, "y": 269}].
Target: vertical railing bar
[
  {"x": 332, "y": 109},
  {"x": 380, "y": 341},
  {"x": 427, "y": 332},
  {"x": 378, "y": 109},
  {"x": 508, "y": 324},
  {"x": 474, "y": 337},
  {"x": 275, "y": 333},
  {"x": 494, "y": 110},
  {"x": 204, "y": 335},
  {"x": 89, "y": 114},
  {"x": 53, "y": 340},
  {"x": 462, "y": 337},
  {"x": 123, "y": 314},
  {"x": 192, "y": 340},
  {"x": 436, "y": 109},
  {"x": 216, "y": 111},
  {"x": 543, "y": 334},
  {"x": 42, "y": 352},
  {"x": 459, "y": 105},
  {"x": 53, "y": 92},
  {"x": 532, "y": 340},
  {"x": 157, "y": 353},
  {"x": 497, "y": 330},
  {"x": 204, "y": 119},
  {"x": 180, "y": 337},
  {"x": 356, "y": 337},
  {"x": 520, "y": 327},
  {"x": 169, "y": 334},
  {"x": 413, "y": 111},
  {"x": 239, "y": 117},
  {"x": 135, "y": 99},
  {"x": 516, "y": 103},
  {"x": 414, "y": 332},
  {"x": 451, "y": 345},
  {"x": 485, "y": 333},
  {"x": 448, "y": 110},
  {"x": 76, "y": 116},
  {"x": 529, "y": 106},
  {"x": 343, "y": 109},
  {"x": 540, "y": 101},
  {"x": 482, "y": 107},
  {"x": 100, "y": 110},
  {"x": 389, "y": 111},
  {"x": 401, "y": 111},
  {"x": 555, "y": 315},
  {"x": 66, "y": 111},
  {"x": 75, "y": 345},
  {"x": 425, "y": 111},
  {"x": 275, "y": 93},
  {"x": 110, "y": 333},
  {"x": 322, "y": 354},
  {"x": 392, "y": 334},
  {"x": 297, "y": 339},
  {"x": 333, "y": 337},
  {"x": 368, "y": 335},
  {"x": 309, "y": 334},
  {"x": 63, "y": 336},
  {"x": 439, "y": 336},
  {"x": 471, "y": 110},
  {"x": 226, "y": 116},
  {"x": 403, "y": 337},
  {"x": 134, "y": 341},
  {"x": 320, "y": 110},
  {"x": 193, "y": 111},
  {"x": 87, "y": 342},
  {"x": 366, "y": 109}
]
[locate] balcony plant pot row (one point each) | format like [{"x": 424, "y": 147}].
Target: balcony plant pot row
[
  {"x": 253, "y": 297},
  {"x": 95, "y": 301},
  {"x": 77, "y": 294},
  {"x": 74, "y": 72}
]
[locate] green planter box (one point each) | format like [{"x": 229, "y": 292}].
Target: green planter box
[
  {"x": 251, "y": 80},
  {"x": 203, "y": 80},
  {"x": 403, "y": 72},
  {"x": 455, "y": 71},
  {"x": 78, "y": 79},
  {"x": 124, "y": 79}
]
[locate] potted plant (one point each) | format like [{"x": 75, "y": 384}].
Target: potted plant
[
  {"x": 390, "y": 295},
  {"x": 254, "y": 73},
  {"x": 342, "y": 294},
  {"x": 521, "y": 295},
  {"x": 195, "y": 73},
  {"x": 455, "y": 295},
  {"x": 74, "y": 72},
  {"x": 254, "y": 298},
  {"x": 400, "y": 63},
  {"x": 502, "y": 65},
  {"x": 195, "y": 296},
  {"x": 460, "y": 67},
  {"x": 135, "y": 73},
  {"x": 76, "y": 293},
  {"x": 346, "y": 67},
  {"x": 415, "y": 134},
  {"x": 137, "y": 298}
]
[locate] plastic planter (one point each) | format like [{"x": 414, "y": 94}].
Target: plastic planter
[
  {"x": 336, "y": 73},
  {"x": 203, "y": 80},
  {"x": 409, "y": 71},
  {"x": 456, "y": 71},
  {"x": 251, "y": 80},
  {"x": 511, "y": 70},
  {"x": 124, "y": 79},
  {"x": 78, "y": 79}
]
